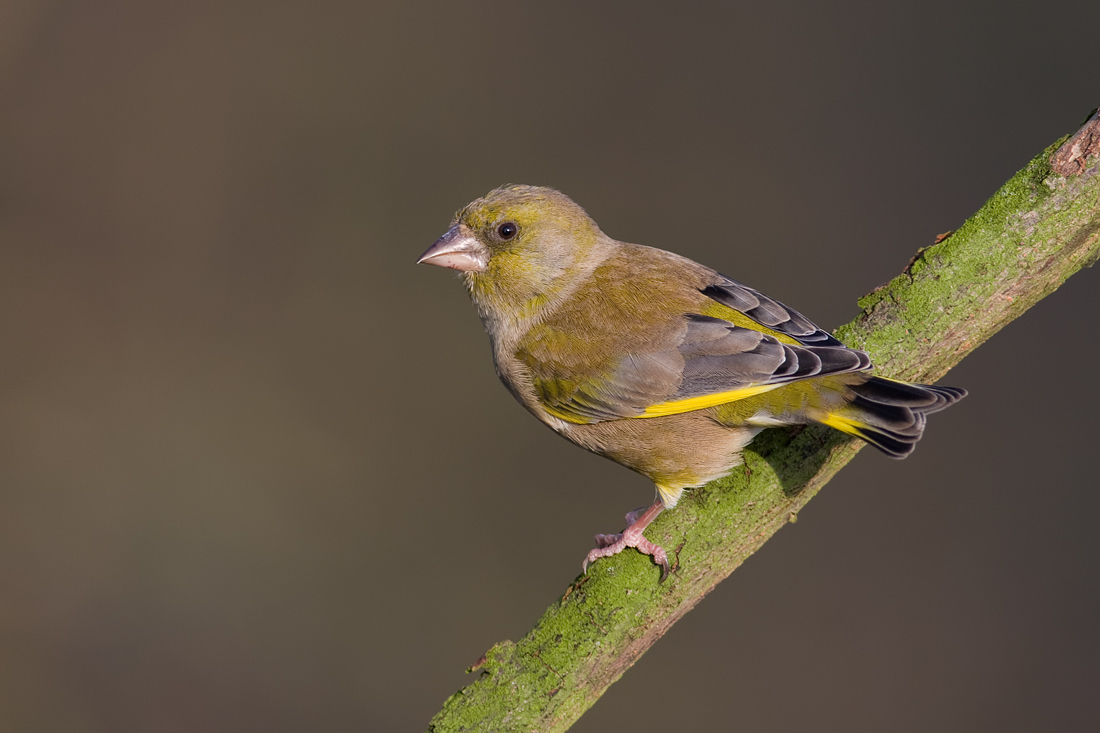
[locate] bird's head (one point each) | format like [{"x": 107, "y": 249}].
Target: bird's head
[{"x": 519, "y": 249}]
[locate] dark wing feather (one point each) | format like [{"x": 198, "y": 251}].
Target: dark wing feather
[
  {"x": 722, "y": 357},
  {"x": 768, "y": 312}
]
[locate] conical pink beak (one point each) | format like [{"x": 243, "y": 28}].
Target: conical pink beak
[{"x": 459, "y": 250}]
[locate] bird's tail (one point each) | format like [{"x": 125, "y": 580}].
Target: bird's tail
[{"x": 888, "y": 414}]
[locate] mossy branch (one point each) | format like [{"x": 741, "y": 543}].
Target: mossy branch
[{"x": 1037, "y": 230}]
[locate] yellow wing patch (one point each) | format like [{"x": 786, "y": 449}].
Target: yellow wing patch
[{"x": 690, "y": 404}]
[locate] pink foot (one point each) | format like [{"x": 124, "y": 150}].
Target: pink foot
[{"x": 612, "y": 544}]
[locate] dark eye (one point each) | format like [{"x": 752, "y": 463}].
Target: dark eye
[{"x": 507, "y": 230}]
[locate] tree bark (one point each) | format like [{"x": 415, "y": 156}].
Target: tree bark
[{"x": 1042, "y": 226}]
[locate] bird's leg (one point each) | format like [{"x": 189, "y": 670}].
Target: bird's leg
[
  {"x": 632, "y": 517},
  {"x": 612, "y": 544},
  {"x": 606, "y": 540}
]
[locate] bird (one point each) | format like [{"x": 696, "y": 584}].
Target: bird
[{"x": 653, "y": 360}]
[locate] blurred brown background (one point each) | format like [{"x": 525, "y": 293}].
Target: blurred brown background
[{"x": 257, "y": 474}]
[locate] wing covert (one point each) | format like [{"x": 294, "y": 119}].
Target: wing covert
[{"x": 768, "y": 312}]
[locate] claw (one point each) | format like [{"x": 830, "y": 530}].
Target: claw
[
  {"x": 612, "y": 544},
  {"x": 663, "y": 562}
]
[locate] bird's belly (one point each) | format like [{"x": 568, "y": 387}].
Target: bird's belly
[{"x": 677, "y": 451}]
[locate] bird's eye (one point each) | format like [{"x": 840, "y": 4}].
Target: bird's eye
[{"x": 507, "y": 230}]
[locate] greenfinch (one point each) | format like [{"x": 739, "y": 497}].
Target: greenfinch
[{"x": 653, "y": 360}]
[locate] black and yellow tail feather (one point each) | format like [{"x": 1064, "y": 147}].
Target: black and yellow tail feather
[{"x": 889, "y": 414}]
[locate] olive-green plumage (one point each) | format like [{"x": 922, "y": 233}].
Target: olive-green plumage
[{"x": 651, "y": 359}]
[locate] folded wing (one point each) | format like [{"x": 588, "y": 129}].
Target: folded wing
[{"x": 713, "y": 362}]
